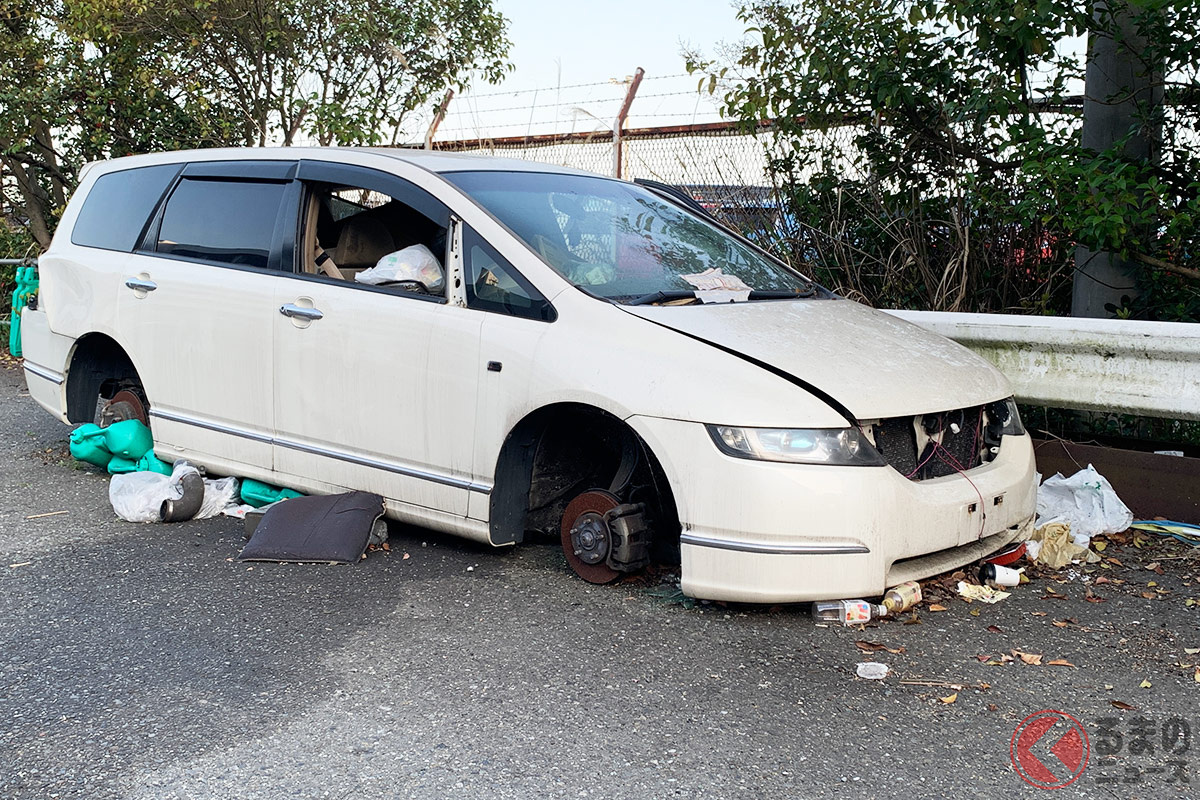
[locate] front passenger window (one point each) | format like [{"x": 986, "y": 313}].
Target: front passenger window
[{"x": 368, "y": 237}]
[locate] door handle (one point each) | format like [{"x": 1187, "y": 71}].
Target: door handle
[
  {"x": 141, "y": 285},
  {"x": 299, "y": 312}
]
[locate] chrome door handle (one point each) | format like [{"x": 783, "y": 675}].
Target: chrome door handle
[
  {"x": 298, "y": 312},
  {"x": 140, "y": 285}
]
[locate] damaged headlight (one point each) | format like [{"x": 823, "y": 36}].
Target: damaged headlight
[
  {"x": 839, "y": 446},
  {"x": 1003, "y": 419}
]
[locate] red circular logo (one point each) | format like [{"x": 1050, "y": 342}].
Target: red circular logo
[{"x": 1049, "y": 749}]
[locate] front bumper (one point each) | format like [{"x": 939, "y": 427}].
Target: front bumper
[{"x": 765, "y": 532}]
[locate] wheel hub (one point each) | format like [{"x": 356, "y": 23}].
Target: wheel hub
[{"x": 590, "y": 538}]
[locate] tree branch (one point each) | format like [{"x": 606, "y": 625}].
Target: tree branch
[{"x": 1168, "y": 266}]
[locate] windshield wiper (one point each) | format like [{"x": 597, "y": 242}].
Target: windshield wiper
[
  {"x": 807, "y": 291},
  {"x": 662, "y": 297}
]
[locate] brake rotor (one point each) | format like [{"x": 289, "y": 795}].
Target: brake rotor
[
  {"x": 124, "y": 405},
  {"x": 586, "y": 538}
]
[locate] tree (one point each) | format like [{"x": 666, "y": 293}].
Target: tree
[
  {"x": 928, "y": 153},
  {"x": 82, "y": 80}
]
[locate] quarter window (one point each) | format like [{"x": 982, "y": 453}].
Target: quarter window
[
  {"x": 493, "y": 284},
  {"x": 232, "y": 222},
  {"x": 116, "y": 209}
]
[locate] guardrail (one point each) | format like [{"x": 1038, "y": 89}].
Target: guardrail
[{"x": 1148, "y": 368}]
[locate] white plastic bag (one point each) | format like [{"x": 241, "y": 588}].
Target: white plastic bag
[
  {"x": 1086, "y": 501},
  {"x": 138, "y": 496},
  {"x": 217, "y": 495},
  {"x": 416, "y": 263}
]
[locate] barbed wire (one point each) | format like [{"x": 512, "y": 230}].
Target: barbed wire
[{"x": 610, "y": 82}]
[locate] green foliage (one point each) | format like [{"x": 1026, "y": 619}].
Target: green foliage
[
  {"x": 82, "y": 80},
  {"x": 927, "y": 152}
]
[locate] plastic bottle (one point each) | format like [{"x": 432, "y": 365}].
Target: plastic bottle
[
  {"x": 902, "y": 597},
  {"x": 846, "y": 612}
]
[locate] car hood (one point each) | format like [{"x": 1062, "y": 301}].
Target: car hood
[{"x": 873, "y": 364}]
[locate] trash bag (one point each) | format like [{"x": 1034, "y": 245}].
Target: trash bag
[
  {"x": 1086, "y": 501},
  {"x": 138, "y": 496},
  {"x": 415, "y": 264}
]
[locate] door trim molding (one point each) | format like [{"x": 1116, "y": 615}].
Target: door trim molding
[{"x": 339, "y": 455}]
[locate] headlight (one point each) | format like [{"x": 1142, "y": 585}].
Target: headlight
[
  {"x": 840, "y": 446},
  {"x": 1003, "y": 419}
]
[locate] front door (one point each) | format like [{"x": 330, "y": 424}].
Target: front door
[{"x": 375, "y": 383}]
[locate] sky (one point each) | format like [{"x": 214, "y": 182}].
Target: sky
[{"x": 570, "y": 59}]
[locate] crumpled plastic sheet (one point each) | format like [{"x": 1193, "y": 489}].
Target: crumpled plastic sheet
[{"x": 1085, "y": 501}]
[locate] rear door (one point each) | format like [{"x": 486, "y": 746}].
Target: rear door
[{"x": 196, "y": 314}]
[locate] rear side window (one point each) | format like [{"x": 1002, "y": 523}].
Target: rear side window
[
  {"x": 116, "y": 209},
  {"x": 232, "y": 222}
]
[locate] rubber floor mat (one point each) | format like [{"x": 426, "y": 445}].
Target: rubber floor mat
[{"x": 331, "y": 528}]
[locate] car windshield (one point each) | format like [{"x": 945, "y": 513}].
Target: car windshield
[{"x": 623, "y": 242}]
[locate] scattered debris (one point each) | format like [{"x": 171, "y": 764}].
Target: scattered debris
[
  {"x": 1057, "y": 548},
  {"x": 1179, "y": 531},
  {"x": 1008, "y": 555},
  {"x": 1032, "y": 659},
  {"x": 47, "y": 514},
  {"x": 872, "y": 670},
  {"x": 958, "y": 687},
  {"x": 140, "y": 496},
  {"x": 259, "y": 494},
  {"x": 949, "y": 698},
  {"x": 876, "y": 647},
  {"x": 331, "y": 528},
  {"x": 1085, "y": 501},
  {"x": 122, "y": 447},
  {"x": 984, "y": 594},
  {"x": 21, "y": 564},
  {"x": 996, "y": 575},
  {"x": 902, "y": 597},
  {"x": 1122, "y": 706},
  {"x": 668, "y": 593},
  {"x": 847, "y": 612}
]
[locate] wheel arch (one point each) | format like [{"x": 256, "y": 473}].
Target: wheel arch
[
  {"x": 95, "y": 360},
  {"x": 521, "y": 455}
]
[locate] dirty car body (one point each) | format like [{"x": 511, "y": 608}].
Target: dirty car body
[{"x": 577, "y": 372}]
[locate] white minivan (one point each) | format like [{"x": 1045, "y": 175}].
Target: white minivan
[{"x": 501, "y": 348}]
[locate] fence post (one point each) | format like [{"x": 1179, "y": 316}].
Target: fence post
[{"x": 621, "y": 115}]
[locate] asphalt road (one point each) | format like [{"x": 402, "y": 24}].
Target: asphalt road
[{"x": 141, "y": 661}]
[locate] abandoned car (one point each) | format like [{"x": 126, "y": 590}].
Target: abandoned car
[{"x": 502, "y": 348}]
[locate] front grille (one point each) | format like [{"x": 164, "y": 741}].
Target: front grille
[{"x": 897, "y": 439}]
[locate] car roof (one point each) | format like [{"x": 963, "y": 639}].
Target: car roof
[{"x": 431, "y": 160}]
